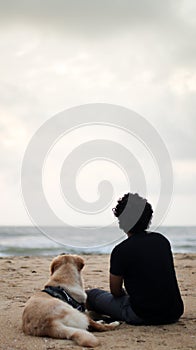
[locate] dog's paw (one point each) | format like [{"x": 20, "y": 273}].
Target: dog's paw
[
  {"x": 100, "y": 321},
  {"x": 115, "y": 323}
]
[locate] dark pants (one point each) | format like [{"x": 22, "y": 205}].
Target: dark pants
[{"x": 118, "y": 308}]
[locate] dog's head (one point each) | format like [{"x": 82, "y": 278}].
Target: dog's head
[{"x": 64, "y": 259}]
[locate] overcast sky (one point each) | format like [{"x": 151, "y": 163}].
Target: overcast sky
[{"x": 59, "y": 54}]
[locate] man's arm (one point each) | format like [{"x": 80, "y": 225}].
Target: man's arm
[{"x": 116, "y": 283}]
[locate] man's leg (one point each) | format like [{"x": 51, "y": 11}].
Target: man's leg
[{"x": 105, "y": 303}]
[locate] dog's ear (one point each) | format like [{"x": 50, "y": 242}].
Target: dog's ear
[
  {"x": 56, "y": 263},
  {"x": 79, "y": 263}
]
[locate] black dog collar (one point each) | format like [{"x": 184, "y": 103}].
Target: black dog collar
[{"x": 60, "y": 293}]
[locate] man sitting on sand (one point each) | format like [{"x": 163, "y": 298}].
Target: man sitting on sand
[{"x": 144, "y": 263}]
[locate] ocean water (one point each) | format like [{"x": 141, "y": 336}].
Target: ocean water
[{"x": 23, "y": 240}]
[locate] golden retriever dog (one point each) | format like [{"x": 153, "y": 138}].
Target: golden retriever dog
[{"x": 47, "y": 314}]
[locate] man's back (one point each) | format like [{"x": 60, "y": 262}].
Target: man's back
[{"x": 145, "y": 261}]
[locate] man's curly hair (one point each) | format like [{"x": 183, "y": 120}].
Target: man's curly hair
[{"x": 134, "y": 213}]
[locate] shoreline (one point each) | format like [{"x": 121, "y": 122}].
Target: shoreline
[{"x": 22, "y": 276}]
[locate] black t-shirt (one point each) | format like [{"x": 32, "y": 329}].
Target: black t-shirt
[{"x": 145, "y": 262}]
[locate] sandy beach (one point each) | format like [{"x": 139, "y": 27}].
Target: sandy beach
[{"x": 22, "y": 276}]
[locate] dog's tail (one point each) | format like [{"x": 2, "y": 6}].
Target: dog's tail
[
  {"x": 80, "y": 336},
  {"x": 84, "y": 338}
]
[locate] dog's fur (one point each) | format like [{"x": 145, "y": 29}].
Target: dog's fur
[{"x": 45, "y": 315}]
